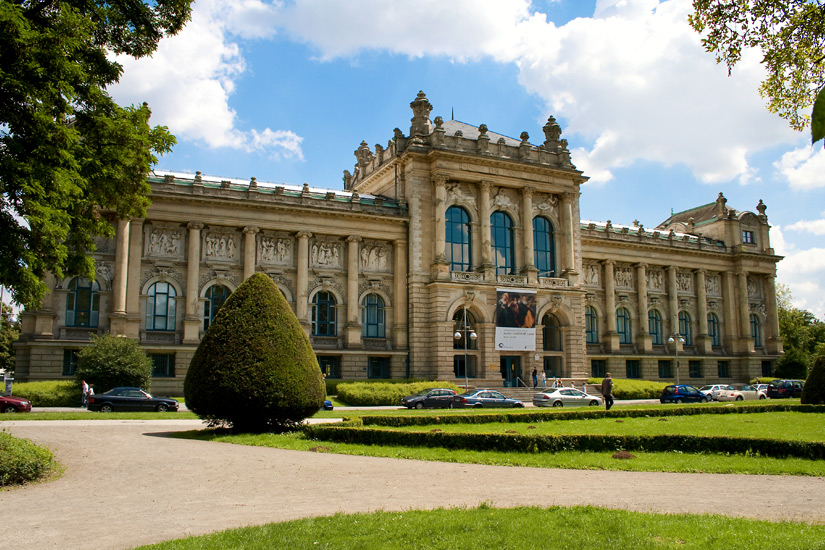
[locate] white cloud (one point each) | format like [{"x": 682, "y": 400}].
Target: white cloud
[
  {"x": 190, "y": 78},
  {"x": 817, "y": 227},
  {"x": 803, "y": 271},
  {"x": 804, "y": 167}
]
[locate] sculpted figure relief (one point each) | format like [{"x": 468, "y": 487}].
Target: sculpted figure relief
[
  {"x": 325, "y": 254},
  {"x": 753, "y": 288},
  {"x": 548, "y": 204},
  {"x": 374, "y": 258},
  {"x": 274, "y": 250},
  {"x": 163, "y": 242},
  {"x": 220, "y": 246},
  {"x": 712, "y": 285},
  {"x": 656, "y": 279},
  {"x": 684, "y": 282},
  {"x": 624, "y": 277},
  {"x": 456, "y": 194},
  {"x": 591, "y": 275}
]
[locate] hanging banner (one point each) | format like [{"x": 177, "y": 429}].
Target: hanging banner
[{"x": 515, "y": 319}]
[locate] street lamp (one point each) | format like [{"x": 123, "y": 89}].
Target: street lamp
[
  {"x": 468, "y": 334},
  {"x": 676, "y": 339}
]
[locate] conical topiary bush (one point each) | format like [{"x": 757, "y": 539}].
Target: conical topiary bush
[
  {"x": 255, "y": 370},
  {"x": 813, "y": 392}
]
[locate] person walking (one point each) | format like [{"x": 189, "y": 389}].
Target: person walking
[
  {"x": 543, "y": 379},
  {"x": 84, "y": 392},
  {"x": 607, "y": 391},
  {"x": 535, "y": 374}
]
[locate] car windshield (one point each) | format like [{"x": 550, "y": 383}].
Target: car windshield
[{"x": 705, "y": 388}]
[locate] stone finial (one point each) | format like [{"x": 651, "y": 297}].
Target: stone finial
[
  {"x": 198, "y": 177},
  {"x": 305, "y": 190},
  {"x": 635, "y": 223},
  {"x": 524, "y": 137},
  {"x": 552, "y": 132},
  {"x": 347, "y": 180},
  {"x": 691, "y": 225},
  {"x": 253, "y": 183},
  {"x": 720, "y": 208},
  {"x": 482, "y": 129},
  {"x": 421, "y": 108},
  {"x": 439, "y": 122},
  {"x": 761, "y": 208},
  {"x": 363, "y": 154}
]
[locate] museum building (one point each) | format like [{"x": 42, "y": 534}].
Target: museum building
[{"x": 453, "y": 253}]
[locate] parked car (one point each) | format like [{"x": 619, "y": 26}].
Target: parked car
[
  {"x": 712, "y": 391},
  {"x": 327, "y": 406},
  {"x": 437, "y": 398},
  {"x": 129, "y": 399},
  {"x": 565, "y": 397},
  {"x": 782, "y": 389},
  {"x": 13, "y": 404},
  {"x": 761, "y": 387},
  {"x": 741, "y": 392},
  {"x": 485, "y": 398},
  {"x": 682, "y": 393}
]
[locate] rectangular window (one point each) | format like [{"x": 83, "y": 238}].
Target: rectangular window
[
  {"x": 163, "y": 365},
  {"x": 747, "y": 237},
  {"x": 665, "y": 369},
  {"x": 458, "y": 366},
  {"x": 378, "y": 367},
  {"x": 330, "y": 365},
  {"x": 695, "y": 369},
  {"x": 632, "y": 368},
  {"x": 598, "y": 368},
  {"x": 552, "y": 367},
  {"x": 69, "y": 362},
  {"x": 767, "y": 368},
  {"x": 723, "y": 369}
]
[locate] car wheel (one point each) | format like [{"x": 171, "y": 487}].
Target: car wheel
[
  {"x": 162, "y": 408},
  {"x": 739, "y": 398},
  {"x": 9, "y": 409},
  {"x": 762, "y": 397},
  {"x": 478, "y": 406},
  {"x": 678, "y": 400},
  {"x": 594, "y": 403},
  {"x": 704, "y": 400},
  {"x": 419, "y": 405},
  {"x": 106, "y": 408},
  {"x": 558, "y": 404},
  {"x": 450, "y": 406},
  {"x": 519, "y": 405}
]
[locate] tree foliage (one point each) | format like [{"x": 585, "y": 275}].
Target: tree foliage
[
  {"x": 803, "y": 337},
  {"x": 68, "y": 152},
  {"x": 255, "y": 369},
  {"x": 813, "y": 392},
  {"x": 791, "y": 37},
  {"x": 113, "y": 361},
  {"x": 9, "y": 331}
]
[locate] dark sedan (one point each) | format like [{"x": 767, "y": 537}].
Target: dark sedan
[
  {"x": 682, "y": 393},
  {"x": 12, "y": 404},
  {"x": 485, "y": 398},
  {"x": 130, "y": 399},
  {"x": 437, "y": 398},
  {"x": 783, "y": 389}
]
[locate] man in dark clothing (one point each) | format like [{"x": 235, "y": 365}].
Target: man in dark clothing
[{"x": 607, "y": 391}]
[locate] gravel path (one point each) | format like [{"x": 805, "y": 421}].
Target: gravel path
[{"x": 126, "y": 484}]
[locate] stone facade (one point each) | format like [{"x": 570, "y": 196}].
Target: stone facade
[{"x": 431, "y": 226}]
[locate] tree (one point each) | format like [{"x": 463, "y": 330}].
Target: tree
[
  {"x": 9, "y": 331},
  {"x": 69, "y": 155},
  {"x": 813, "y": 392},
  {"x": 803, "y": 336},
  {"x": 113, "y": 361},
  {"x": 791, "y": 36},
  {"x": 255, "y": 369}
]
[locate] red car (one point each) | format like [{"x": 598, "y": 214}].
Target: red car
[{"x": 12, "y": 404}]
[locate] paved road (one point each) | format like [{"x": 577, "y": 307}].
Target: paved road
[{"x": 126, "y": 483}]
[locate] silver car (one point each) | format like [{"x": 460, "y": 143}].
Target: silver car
[
  {"x": 565, "y": 397},
  {"x": 712, "y": 391},
  {"x": 741, "y": 392}
]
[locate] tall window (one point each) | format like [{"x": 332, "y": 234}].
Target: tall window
[
  {"x": 82, "y": 303},
  {"x": 69, "y": 362},
  {"x": 501, "y": 226},
  {"x": 591, "y": 322},
  {"x": 330, "y": 365},
  {"x": 713, "y": 330},
  {"x": 372, "y": 316},
  {"x": 623, "y": 326},
  {"x": 458, "y": 239},
  {"x": 215, "y": 297},
  {"x": 695, "y": 369},
  {"x": 160, "y": 307},
  {"x": 163, "y": 365},
  {"x": 323, "y": 314},
  {"x": 665, "y": 369},
  {"x": 458, "y": 326},
  {"x": 543, "y": 249},
  {"x": 631, "y": 367},
  {"x": 756, "y": 331},
  {"x": 723, "y": 369},
  {"x": 685, "y": 328},
  {"x": 551, "y": 333},
  {"x": 654, "y": 326},
  {"x": 747, "y": 237},
  {"x": 378, "y": 367},
  {"x": 598, "y": 368}
]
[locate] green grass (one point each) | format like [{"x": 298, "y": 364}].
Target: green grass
[
  {"x": 513, "y": 528},
  {"x": 23, "y": 461}
]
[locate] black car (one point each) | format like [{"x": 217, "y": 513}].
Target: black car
[
  {"x": 682, "y": 393},
  {"x": 485, "y": 398},
  {"x": 437, "y": 398},
  {"x": 129, "y": 399},
  {"x": 782, "y": 389}
]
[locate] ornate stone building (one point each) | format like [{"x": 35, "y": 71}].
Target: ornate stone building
[{"x": 414, "y": 268}]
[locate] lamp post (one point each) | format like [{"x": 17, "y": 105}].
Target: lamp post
[
  {"x": 468, "y": 334},
  {"x": 676, "y": 339}
]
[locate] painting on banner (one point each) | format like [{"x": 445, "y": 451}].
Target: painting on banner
[{"x": 515, "y": 319}]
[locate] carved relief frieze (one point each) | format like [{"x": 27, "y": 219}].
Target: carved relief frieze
[
  {"x": 220, "y": 245},
  {"x": 684, "y": 281},
  {"x": 220, "y": 276},
  {"x": 754, "y": 288},
  {"x": 757, "y": 308},
  {"x": 325, "y": 254},
  {"x": 457, "y": 193},
  {"x": 374, "y": 285},
  {"x": 275, "y": 249},
  {"x": 656, "y": 280},
  {"x": 546, "y": 204},
  {"x": 713, "y": 286},
  {"x": 555, "y": 302},
  {"x": 326, "y": 284},
  {"x": 504, "y": 202},
  {"x": 104, "y": 273},
  {"x": 163, "y": 240},
  {"x": 375, "y": 256},
  {"x": 653, "y": 302},
  {"x": 592, "y": 275},
  {"x": 713, "y": 305},
  {"x": 624, "y": 277},
  {"x": 164, "y": 274}
]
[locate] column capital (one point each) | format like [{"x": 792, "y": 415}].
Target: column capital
[
  {"x": 303, "y": 234},
  {"x": 250, "y": 229},
  {"x": 609, "y": 262},
  {"x": 354, "y": 239},
  {"x": 439, "y": 179},
  {"x": 197, "y": 226},
  {"x": 700, "y": 271},
  {"x": 528, "y": 190},
  {"x": 642, "y": 265},
  {"x": 485, "y": 185}
]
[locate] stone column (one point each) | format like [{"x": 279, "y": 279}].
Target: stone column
[
  {"x": 301, "y": 279},
  {"x": 484, "y": 218},
  {"x": 730, "y": 326},
  {"x": 192, "y": 321},
  {"x": 611, "y": 337},
  {"x": 744, "y": 314},
  {"x": 400, "y": 294},
  {"x": 703, "y": 343},
  {"x": 643, "y": 337},
  {"x": 529, "y": 262},
  {"x": 569, "y": 248},
  {"x": 121, "y": 267},
  {"x": 440, "y": 208},
  {"x": 673, "y": 299},
  {"x": 353, "y": 338},
  {"x": 249, "y": 251},
  {"x": 133, "y": 279},
  {"x": 45, "y": 316},
  {"x": 774, "y": 339}
]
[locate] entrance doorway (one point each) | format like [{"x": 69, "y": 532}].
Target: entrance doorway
[{"x": 510, "y": 370}]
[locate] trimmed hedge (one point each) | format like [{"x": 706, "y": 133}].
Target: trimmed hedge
[
  {"x": 49, "y": 393},
  {"x": 554, "y": 443},
  {"x": 385, "y": 393},
  {"x": 22, "y": 461},
  {"x": 625, "y": 388}
]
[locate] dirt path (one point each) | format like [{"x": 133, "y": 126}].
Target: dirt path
[{"x": 126, "y": 484}]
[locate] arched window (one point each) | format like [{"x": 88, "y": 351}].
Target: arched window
[
  {"x": 323, "y": 314},
  {"x": 654, "y": 326},
  {"x": 623, "y": 326},
  {"x": 458, "y": 327},
  {"x": 82, "y": 303},
  {"x": 215, "y": 297},
  {"x": 756, "y": 331},
  {"x": 713, "y": 330},
  {"x": 685, "y": 329},
  {"x": 372, "y": 316},
  {"x": 501, "y": 227},
  {"x": 591, "y": 321},
  {"x": 160, "y": 307},
  {"x": 458, "y": 239},
  {"x": 543, "y": 248},
  {"x": 551, "y": 333}
]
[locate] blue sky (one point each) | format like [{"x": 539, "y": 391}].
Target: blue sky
[{"x": 286, "y": 91}]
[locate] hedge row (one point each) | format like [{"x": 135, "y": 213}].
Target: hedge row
[
  {"x": 555, "y": 443},
  {"x": 63, "y": 393},
  {"x": 22, "y": 461},
  {"x": 625, "y": 388},
  {"x": 583, "y": 413},
  {"x": 364, "y": 394}
]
